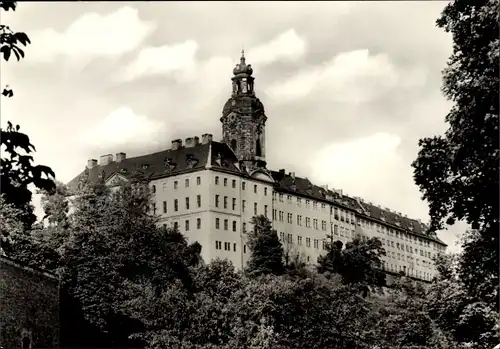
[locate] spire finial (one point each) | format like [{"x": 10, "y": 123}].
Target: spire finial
[{"x": 242, "y": 59}]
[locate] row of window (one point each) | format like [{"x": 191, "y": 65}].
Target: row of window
[
  {"x": 233, "y": 204},
  {"x": 243, "y": 185},
  {"x": 227, "y": 246},
  {"x": 408, "y": 271},
  {"x": 186, "y": 224},
  {"x": 176, "y": 204},
  {"x": 226, "y": 225},
  {"x": 176, "y": 184}
]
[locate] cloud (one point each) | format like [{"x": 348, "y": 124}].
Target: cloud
[
  {"x": 287, "y": 45},
  {"x": 93, "y": 35},
  {"x": 179, "y": 60},
  {"x": 163, "y": 60},
  {"x": 372, "y": 168},
  {"x": 121, "y": 127},
  {"x": 350, "y": 77}
]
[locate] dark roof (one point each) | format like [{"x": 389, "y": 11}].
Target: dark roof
[
  {"x": 166, "y": 163},
  {"x": 304, "y": 187},
  {"x": 221, "y": 157}
]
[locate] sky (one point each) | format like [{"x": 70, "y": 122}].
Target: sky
[{"x": 349, "y": 87}]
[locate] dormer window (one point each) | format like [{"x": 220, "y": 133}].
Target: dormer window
[{"x": 145, "y": 166}]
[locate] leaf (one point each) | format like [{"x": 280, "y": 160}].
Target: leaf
[
  {"x": 22, "y": 38},
  {"x": 6, "y": 52},
  {"x": 7, "y": 93}
]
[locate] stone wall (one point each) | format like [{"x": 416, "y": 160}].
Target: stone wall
[{"x": 29, "y": 307}]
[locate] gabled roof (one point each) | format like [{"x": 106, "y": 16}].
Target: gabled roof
[{"x": 167, "y": 162}]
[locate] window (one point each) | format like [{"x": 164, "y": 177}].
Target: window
[
  {"x": 244, "y": 248},
  {"x": 290, "y": 238},
  {"x": 289, "y": 199},
  {"x": 176, "y": 225},
  {"x": 227, "y": 246},
  {"x": 216, "y": 200},
  {"x": 281, "y": 197},
  {"x": 186, "y": 183},
  {"x": 255, "y": 188},
  {"x": 299, "y": 219},
  {"x": 308, "y": 222},
  {"x": 243, "y": 202},
  {"x": 336, "y": 229},
  {"x": 225, "y": 202},
  {"x": 299, "y": 240},
  {"x": 198, "y": 180},
  {"x": 316, "y": 243},
  {"x": 243, "y": 185},
  {"x": 187, "y": 203},
  {"x": 164, "y": 226},
  {"x": 315, "y": 205},
  {"x": 176, "y": 184},
  {"x": 324, "y": 245},
  {"x": 234, "y": 247},
  {"x": 164, "y": 207},
  {"x": 308, "y": 203},
  {"x": 153, "y": 188},
  {"x": 255, "y": 208},
  {"x": 218, "y": 245},
  {"x": 225, "y": 182},
  {"x": 315, "y": 223},
  {"x": 187, "y": 225},
  {"x": 217, "y": 223},
  {"x": 233, "y": 183},
  {"x": 216, "y": 180},
  {"x": 308, "y": 242},
  {"x": 226, "y": 224},
  {"x": 198, "y": 223},
  {"x": 299, "y": 202},
  {"x": 281, "y": 216},
  {"x": 282, "y": 236},
  {"x": 234, "y": 204},
  {"x": 234, "y": 225},
  {"x": 290, "y": 218},
  {"x": 336, "y": 213},
  {"x": 265, "y": 191},
  {"x": 265, "y": 210},
  {"x": 153, "y": 207},
  {"x": 274, "y": 214},
  {"x": 323, "y": 225},
  {"x": 176, "y": 205},
  {"x": 244, "y": 227},
  {"x": 198, "y": 200}
]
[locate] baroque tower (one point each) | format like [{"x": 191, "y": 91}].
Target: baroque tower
[{"x": 243, "y": 119}]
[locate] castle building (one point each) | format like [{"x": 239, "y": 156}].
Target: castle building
[{"x": 211, "y": 190}]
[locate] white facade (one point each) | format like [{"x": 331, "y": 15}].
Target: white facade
[{"x": 215, "y": 209}]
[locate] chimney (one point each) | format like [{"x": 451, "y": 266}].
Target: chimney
[
  {"x": 282, "y": 172},
  {"x": 191, "y": 142},
  {"x": 120, "y": 157},
  {"x": 176, "y": 144},
  {"x": 292, "y": 174},
  {"x": 106, "y": 160},
  {"x": 206, "y": 138},
  {"x": 325, "y": 186},
  {"x": 91, "y": 163}
]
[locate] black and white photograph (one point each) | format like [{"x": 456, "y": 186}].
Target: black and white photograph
[{"x": 249, "y": 174}]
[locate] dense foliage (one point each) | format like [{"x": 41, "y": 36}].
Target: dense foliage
[{"x": 458, "y": 172}]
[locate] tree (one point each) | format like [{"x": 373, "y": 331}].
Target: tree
[
  {"x": 114, "y": 240},
  {"x": 16, "y": 169},
  {"x": 266, "y": 251},
  {"x": 458, "y": 172},
  {"x": 358, "y": 264},
  {"x": 466, "y": 319}
]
